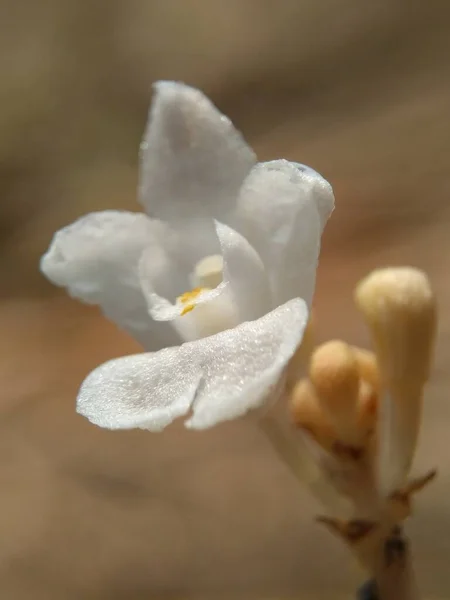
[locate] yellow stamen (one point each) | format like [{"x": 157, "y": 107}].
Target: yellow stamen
[{"x": 188, "y": 297}]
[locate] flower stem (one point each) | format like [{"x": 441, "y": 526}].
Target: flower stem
[
  {"x": 294, "y": 453},
  {"x": 393, "y": 578},
  {"x": 388, "y": 558}
]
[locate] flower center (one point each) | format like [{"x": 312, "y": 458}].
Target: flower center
[
  {"x": 213, "y": 315},
  {"x": 207, "y": 275},
  {"x": 188, "y": 299}
]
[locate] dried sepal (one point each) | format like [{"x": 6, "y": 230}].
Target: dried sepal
[{"x": 400, "y": 502}]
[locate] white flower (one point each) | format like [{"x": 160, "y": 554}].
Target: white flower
[{"x": 244, "y": 235}]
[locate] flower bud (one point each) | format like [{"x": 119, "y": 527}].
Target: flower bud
[
  {"x": 367, "y": 367},
  {"x": 400, "y": 310},
  {"x": 307, "y": 413},
  {"x": 366, "y": 408},
  {"x": 334, "y": 373}
]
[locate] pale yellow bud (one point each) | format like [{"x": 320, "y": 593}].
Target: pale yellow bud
[
  {"x": 307, "y": 413},
  {"x": 368, "y": 396},
  {"x": 367, "y": 367},
  {"x": 400, "y": 309},
  {"x": 366, "y": 408},
  {"x": 334, "y": 373}
]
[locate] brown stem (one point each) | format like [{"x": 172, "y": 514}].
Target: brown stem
[{"x": 393, "y": 577}]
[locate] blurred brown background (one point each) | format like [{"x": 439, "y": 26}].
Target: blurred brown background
[{"x": 358, "y": 90}]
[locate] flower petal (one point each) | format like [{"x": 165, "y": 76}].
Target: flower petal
[
  {"x": 221, "y": 377},
  {"x": 244, "y": 271},
  {"x": 282, "y": 210},
  {"x": 243, "y": 366},
  {"x": 193, "y": 161},
  {"x": 147, "y": 390},
  {"x": 96, "y": 258}
]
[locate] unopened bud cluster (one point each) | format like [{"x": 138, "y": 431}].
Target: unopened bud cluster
[
  {"x": 337, "y": 402},
  {"x": 362, "y": 409}
]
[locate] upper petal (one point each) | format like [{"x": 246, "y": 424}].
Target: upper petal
[
  {"x": 193, "y": 160},
  {"x": 96, "y": 258},
  {"x": 282, "y": 210},
  {"x": 221, "y": 377}
]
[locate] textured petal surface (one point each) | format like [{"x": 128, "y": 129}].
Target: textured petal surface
[
  {"x": 96, "y": 259},
  {"x": 282, "y": 210},
  {"x": 242, "y": 367},
  {"x": 220, "y": 377},
  {"x": 143, "y": 390},
  {"x": 193, "y": 161}
]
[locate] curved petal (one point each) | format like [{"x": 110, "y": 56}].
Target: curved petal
[
  {"x": 193, "y": 161},
  {"x": 96, "y": 259},
  {"x": 242, "y": 367},
  {"x": 221, "y": 377},
  {"x": 245, "y": 272},
  {"x": 282, "y": 210}
]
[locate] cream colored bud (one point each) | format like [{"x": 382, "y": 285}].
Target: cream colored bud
[
  {"x": 367, "y": 367},
  {"x": 400, "y": 310},
  {"x": 334, "y": 373},
  {"x": 307, "y": 413},
  {"x": 366, "y": 408},
  {"x": 368, "y": 395}
]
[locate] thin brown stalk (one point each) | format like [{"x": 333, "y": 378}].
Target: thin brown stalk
[{"x": 393, "y": 573}]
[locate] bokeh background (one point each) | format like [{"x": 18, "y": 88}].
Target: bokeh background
[{"x": 358, "y": 90}]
